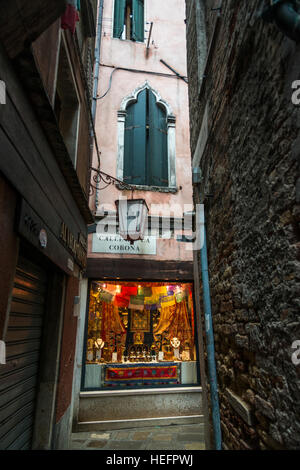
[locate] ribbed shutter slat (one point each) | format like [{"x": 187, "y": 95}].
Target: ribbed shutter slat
[
  {"x": 138, "y": 20},
  {"x": 135, "y": 142},
  {"x": 119, "y": 18},
  {"x": 19, "y": 376},
  {"x": 158, "y": 157}
]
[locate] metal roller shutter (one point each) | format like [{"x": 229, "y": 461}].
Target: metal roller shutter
[{"x": 19, "y": 376}]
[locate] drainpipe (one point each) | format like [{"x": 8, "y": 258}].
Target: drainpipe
[
  {"x": 96, "y": 72},
  {"x": 210, "y": 347},
  {"x": 285, "y": 14},
  {"x": 97, "y": 58}
]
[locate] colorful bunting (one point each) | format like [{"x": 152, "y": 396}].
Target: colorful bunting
[
  {"x": 160, "y": 290},
  {"x": 106, "y": 296},
  {"x": 137, "y": 299},
  {"x": 128, "y": 290},
  {"x": 145, "y": 291},
  {"x": 121, "y": 301},
  {"x": 135, "y": 307}
]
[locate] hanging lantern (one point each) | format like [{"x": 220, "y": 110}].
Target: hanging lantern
[{"x": 132, "y": 216}]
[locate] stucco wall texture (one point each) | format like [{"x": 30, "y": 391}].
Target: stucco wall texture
[{"x": 168, "y": 42}]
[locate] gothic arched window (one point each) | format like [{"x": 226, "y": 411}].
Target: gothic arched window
[
  {"x": 145, "y": 152},
  {"x": 146, "y": 141}
]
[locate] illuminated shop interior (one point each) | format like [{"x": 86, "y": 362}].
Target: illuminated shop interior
[{"x": 140, "y": 334}]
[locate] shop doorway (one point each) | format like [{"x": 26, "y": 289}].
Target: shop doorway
[
  {"x": 28, "y": 380},
  {"x": 19, "y": 377},
  {"x": 140, "y": 335}
]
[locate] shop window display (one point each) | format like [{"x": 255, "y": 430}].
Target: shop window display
[{"x": 140, "y": 335}]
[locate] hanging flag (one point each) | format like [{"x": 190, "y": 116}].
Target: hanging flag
[
  {"x": 121, "y": 301},
  {"x": 167, "y": 300},
  {"x": 145, "y": 291},
  {"x": 106, "y": 297},
  {"x": 179, "y": 296},
  {"x": 136, "y": 307},
  {"x": 129, "y": 290},
  {"x": 137, "y": 300},
  {"x": 153, "y": 300},
  {"x": 71, "y": 16},
  {"x": 111, "y": 288},
  {"x": 159, "y": 290}
]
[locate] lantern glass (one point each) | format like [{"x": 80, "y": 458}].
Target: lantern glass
[{"x": 132, "y": 215}]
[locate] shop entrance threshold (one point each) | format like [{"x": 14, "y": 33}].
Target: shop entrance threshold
[
  {"x": 121, "y": 409},
  {"x": 90, "y": 426},
  {"x": 144, "y": 391}
]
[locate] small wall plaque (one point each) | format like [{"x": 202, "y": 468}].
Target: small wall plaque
[{"x": 43, "y": 238}]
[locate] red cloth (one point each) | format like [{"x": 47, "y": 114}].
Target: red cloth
[
  {"x": 122, "y": 301},
  {"x": 141, "y": 372},
  {"x": 128, "y": 290},
  {"x": 70, "y": 18}
]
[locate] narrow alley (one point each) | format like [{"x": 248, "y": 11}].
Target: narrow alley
[
  {"x": 149, "y": 227},
  {"x": 173, "y": 437}
]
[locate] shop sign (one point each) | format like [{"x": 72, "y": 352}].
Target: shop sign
[
  {"x": 56, "y": 243},
  {"x": 115, "y": 244},
  {"x": 2, "y": 352},
  {"x": 70, "y": 264},
  {"x": 78, "y": 247},
  {"x": 43, "y": 238}
]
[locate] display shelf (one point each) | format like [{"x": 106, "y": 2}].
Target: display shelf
[{"x": 94, "y": 373}]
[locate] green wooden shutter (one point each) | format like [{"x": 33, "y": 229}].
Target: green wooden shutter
[
  {"x": 158, "y": 145},
  {"x": 128, "y": 145},
  {"x": 135, "y": 142},
  {"x": 119, "y": 18},
  {"x": 138, "y": 25}
]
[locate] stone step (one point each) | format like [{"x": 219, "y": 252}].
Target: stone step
[
  {"x": 176, "y": 437},
  {"x": 143, "y": 404},
  {"x": 107, "y": 425}
]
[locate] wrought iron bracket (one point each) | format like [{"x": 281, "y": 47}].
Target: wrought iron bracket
[{"x": 101, "y": 180}]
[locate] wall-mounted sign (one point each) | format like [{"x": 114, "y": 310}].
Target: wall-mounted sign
[
  {"x": 2, "y": 353},
  {"x": 70, "y": 264},
  {"x": 43, "y": 238},
  {"x": 57, "y": 242},
  {"x": 77, "y": 247},
  {"x": 2, "y": 92},
  {"x": 115, "y": 244}
]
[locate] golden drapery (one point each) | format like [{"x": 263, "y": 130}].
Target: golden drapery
[
  {"x": 166, "y": 319},
  {"x": 111, "y": 323},
  {"x": 174, "y": 322}
]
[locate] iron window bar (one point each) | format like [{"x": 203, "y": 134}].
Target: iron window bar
[{"x": 173, "y": 70}]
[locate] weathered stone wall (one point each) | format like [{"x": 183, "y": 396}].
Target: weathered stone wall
[{"x": 250, "y": 170}]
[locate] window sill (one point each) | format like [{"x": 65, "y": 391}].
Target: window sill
[
  {"x": 130, "y": 40},
  {"x": 154, "y": 189}
]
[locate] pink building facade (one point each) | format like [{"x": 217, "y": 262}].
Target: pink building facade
[
  {"x": 145, "y": 70},
  {"x": 134, "y": 290}
]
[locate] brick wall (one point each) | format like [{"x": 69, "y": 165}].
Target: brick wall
[{"x": 250, "y": 169}]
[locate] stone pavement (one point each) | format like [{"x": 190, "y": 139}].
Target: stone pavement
[{"x": 173, "y": 437}]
